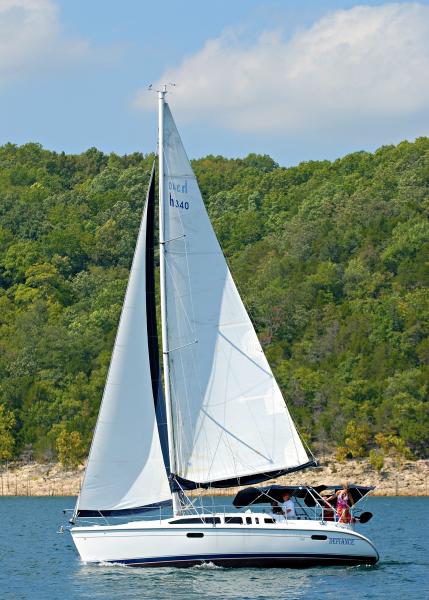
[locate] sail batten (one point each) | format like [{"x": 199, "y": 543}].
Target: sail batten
[{"x": 228, "y": 416}]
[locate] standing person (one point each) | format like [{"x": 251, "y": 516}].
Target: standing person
[
  {"x": 344, "y": 503},
  {"x": 288, "y": 506}
]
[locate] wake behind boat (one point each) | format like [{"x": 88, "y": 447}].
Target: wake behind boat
[{"x": 219, "y": 420}]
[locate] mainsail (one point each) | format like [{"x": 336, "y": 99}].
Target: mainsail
[
  {"x": 230, "y": 423},
  {"x": 125, "y": 469}
]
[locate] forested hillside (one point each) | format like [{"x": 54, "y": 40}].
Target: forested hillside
[{"x": 331, "y": 258}]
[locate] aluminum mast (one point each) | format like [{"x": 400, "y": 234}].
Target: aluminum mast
[{"x": 162, "y": 242}]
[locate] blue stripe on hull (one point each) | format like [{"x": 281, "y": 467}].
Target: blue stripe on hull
[{"x": 250, "y": 560}]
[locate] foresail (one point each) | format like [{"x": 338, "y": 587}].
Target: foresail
[
  {"x": 230, "y": 421},
  {"x": 125, "y": 469}
]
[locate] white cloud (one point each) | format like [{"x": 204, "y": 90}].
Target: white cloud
[
  {"x": 31, "y": 38},
  {"x": 352, "y": 66}
]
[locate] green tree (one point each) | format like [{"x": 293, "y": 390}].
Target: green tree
[
  {"x": 356, "y": 439},
  {"x": 70, "y": 448},
  {"x": 7, "y": 441}
]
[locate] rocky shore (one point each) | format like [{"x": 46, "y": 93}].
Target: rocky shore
[{"x": 410, "y": 478}]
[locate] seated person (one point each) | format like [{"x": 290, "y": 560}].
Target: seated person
[
  {"x": 277, "y": 511},
  {"x": 288, "y": 506}
]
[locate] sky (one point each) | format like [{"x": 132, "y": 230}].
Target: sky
[{"x": 296, "y": 79}]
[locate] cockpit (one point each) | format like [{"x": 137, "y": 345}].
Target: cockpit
[{"x": 309, "y": 503}]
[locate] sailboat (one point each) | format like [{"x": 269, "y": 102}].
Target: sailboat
[{"x": 216, "y": 418}]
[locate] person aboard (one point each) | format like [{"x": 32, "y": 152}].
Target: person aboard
[
  {"x": 288, "y": 506},
  {"x": 277, "y": 511},
  {"x": 328, "y": 509},
  {"x": 344, "y": 503}
]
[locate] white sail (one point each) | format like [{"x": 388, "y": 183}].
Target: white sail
[
  {"x": 125, "y": 467},
  {"x": 228, "y": 414}
]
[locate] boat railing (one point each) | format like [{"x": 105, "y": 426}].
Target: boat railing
[
  {"x": 162, "y": 513},
  {"x": 314, "y": 513},
  {"x": 318, "y": 509}
]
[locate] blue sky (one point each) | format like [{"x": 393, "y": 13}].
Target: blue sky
[{"x": 298, "y": 80}]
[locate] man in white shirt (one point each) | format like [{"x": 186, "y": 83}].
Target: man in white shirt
[{"x": 288, "y": 506}]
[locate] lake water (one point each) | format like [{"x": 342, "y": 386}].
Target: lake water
[{"x": 37, "y": 563}]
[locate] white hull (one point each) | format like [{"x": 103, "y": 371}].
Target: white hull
[{"x": 295, "y": 543}]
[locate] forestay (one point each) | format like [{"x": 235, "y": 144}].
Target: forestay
[
  {"x": 229, "y": 417},
  {"x": 125, "y": 467}
]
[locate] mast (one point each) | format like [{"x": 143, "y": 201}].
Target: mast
[{"x": 161, "y": 100}]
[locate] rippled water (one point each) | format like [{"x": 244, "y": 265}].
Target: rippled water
[{"x": 37, "y": 563}]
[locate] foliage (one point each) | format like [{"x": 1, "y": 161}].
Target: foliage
[
  {"x": 392, "y": 445},
  {"x": 69, "y": 447},
  {"x": 341, "y": 454},
  {"x": 331, "y": 258},
  {"x": 376, "y": 459},
  {"x": 357, "y": 438},
  {"x": 7, "y": 442}
]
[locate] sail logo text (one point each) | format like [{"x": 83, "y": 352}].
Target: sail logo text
[
  {"x": 341, "y": 541},
  {"x": 178, "y": 187},
  {"x": 175, "y": 203}
]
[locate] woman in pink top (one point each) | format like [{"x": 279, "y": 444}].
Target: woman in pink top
[{"x": 344, "y": 504}]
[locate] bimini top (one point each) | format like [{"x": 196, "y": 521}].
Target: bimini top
[{"x": 265, "y": 495}]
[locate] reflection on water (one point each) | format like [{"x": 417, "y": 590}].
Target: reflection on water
[{"x": 37, "y": 563}]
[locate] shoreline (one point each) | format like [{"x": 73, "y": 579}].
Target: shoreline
[{"x": 409, "y": 478}]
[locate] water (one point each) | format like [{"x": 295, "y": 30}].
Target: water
[{"x": 37, "y": 563}]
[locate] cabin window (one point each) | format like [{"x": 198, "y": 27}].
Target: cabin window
[
  {"x": 196, "y": 521},
  {"x": 249, "y": 520},
  {"x": 267, "y": 520},
  {"x": 195, "y": 534},
  {"x": 319, "y": 537},
  {"x": 257, "y": 520},
  {"x": 234, "y": 520},
  {"x": 212, "y": 520}
]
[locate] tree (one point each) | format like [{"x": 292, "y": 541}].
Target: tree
[
  {"x": 356, "y": 439},
  {"x": 7, "y": 441},
  {"x": 70, "y": 448}
]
